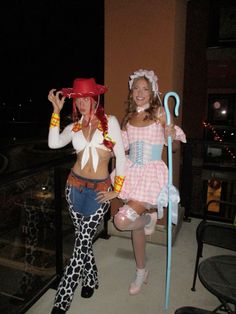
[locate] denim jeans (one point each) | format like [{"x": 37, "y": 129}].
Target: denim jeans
[{"x": 84, "y": 200}]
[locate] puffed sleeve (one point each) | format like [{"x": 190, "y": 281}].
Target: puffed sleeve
[
  {"x": 180, "y": 135},
  {"x": 57, "y": 139},
  {"x": 114, "y": 132}
]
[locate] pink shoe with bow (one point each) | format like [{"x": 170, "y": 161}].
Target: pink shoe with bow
[{"x": 141, "y": 277}]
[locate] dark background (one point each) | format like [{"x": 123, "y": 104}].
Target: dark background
[{"x": 45, "y": 44}]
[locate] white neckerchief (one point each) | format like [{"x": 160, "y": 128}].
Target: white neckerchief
[
  {"x": 142, "y": 108},
  {"x": 90, "y": 144},
  {"x": 94, "y": 143}
]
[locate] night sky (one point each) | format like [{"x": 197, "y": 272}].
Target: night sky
[{"x": 46, "y": 44}]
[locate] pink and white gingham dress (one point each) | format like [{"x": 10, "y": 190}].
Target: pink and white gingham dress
[{"x": 143, "y": 182}]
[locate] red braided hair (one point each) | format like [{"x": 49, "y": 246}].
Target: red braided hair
[{"x": 100, "y": 114}]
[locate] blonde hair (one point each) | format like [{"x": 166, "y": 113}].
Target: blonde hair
[{"x": 152, "y": 111}]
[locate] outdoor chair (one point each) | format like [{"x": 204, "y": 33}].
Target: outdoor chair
[{"x": 216, "y": 233}]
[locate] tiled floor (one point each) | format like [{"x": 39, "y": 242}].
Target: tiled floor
[{"x": 116, "y": 269}]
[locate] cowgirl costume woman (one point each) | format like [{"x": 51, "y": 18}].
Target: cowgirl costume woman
[{"x": 81, "y": 193}]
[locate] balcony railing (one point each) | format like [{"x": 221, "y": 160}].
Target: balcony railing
[
  {"x": 208, "y": 172},
  {"x": 36, "y": 233}
]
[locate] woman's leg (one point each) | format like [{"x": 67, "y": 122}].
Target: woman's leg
[
  {"x": 139, "y": 246},
  {"x": 131, "y": 217},
  {"x": 82, "y": 267},
  {"x": 90, "y": 277},
  {"x": 72, "y": 272}
]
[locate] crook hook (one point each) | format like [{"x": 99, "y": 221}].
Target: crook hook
[{"x": 169, "y": 94}]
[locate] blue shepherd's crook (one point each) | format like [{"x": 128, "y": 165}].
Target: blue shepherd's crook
[{"x": 169, "y": 221}]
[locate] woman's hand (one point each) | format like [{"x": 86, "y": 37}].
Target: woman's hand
[
  {"x": 104, "y": 196},
  {"x": 170, "y": 131},
  {"x": 56, "y": 100}
]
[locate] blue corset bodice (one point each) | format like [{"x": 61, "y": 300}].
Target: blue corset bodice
[{"x": 141, "y": 152}]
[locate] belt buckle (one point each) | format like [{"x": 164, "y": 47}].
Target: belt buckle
[{"x": 91, "y": 185}]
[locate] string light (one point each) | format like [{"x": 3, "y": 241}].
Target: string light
[{"x": 218, "y": 138}]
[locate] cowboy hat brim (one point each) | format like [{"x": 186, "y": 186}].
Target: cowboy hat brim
[{"x": 70, "y": 93}]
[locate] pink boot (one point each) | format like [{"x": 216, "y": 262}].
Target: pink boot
[{"x": 141, "y": 277}]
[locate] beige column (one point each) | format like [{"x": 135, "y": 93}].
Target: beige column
[{"x": 148, "y": 35}]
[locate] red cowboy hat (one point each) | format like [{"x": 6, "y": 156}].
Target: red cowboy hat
[{"x": 84, "y": 88}]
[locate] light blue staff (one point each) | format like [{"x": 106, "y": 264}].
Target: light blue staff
[{"x": 169, "y": 221}]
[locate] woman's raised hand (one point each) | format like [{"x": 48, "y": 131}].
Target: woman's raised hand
[
  {"x": 56, "y": 100},
  {"x": 170, "y": 131}
]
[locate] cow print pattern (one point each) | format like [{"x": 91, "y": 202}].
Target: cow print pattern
[{"x": 81, "y": 268}]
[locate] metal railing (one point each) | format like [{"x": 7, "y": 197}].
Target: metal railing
[
  {"x": 36, "y": 233},
  {"x": 199, "y": 166}
]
